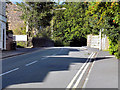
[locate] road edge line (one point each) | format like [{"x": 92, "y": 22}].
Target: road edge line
[
  {"x": 76, "y": 75},
  {"x": 81, "y": 75},
  {"x": 87, "y": 78}
]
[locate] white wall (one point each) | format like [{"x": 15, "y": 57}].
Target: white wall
[{"x": 2, "y": 25}]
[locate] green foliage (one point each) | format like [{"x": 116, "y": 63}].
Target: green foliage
[
  {"x": 9, "y": 32},
  {"x": 113, "y": 47},
  {"x": 70, "y": 23},
  {"x": 36, "y": 14},
  {"x": 45, "y": 32},
  {"x": 77, "y": 20},
  {"x": 118, "y": 53},
  {"x": 20, "y": 31},
  {"x": 80, "y": 19},
  {"x": 21, "y": 44},
  {"x": 105, "y": 15},
  {"x": 58, "y": 43}
]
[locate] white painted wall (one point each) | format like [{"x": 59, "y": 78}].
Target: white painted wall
[{"x": 2, "y": 25}]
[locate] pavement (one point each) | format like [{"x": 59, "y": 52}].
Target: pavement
[
  {"x": 104, "y": 71},
  {"x": 18, "y": 51},
  {"x": 57, "y": 67}
]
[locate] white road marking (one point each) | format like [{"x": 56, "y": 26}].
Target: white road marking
[
  {"x": 72, "y": 81},
  {"x": 44, "y": 58},
  {"x": 9, "y": 72},
  {"x": 87, "y": 78},
  {"x": 109, "y": 56},
  {"x": 27, "y": 64},
  {"x": 31, "y": 63},
  {"x": 81, "y": 75}
]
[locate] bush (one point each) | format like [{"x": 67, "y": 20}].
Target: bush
[
  {"x": 78, "y": 42},
  {"x": 58, "y": 43},
  {"x": 20, "y": 31},
  {"x": 45, "y": 32},
  {"x": 113, "y": 48},
  {"x": 66, "y": 43},
  {"x": 118, "y": 54},
  {"x": 21, "y": 44},
  {"x": 42, "y": 42},
  {"x": 9, "y": 32}
]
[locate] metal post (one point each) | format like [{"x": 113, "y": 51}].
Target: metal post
[
  {"x": 52, "y": 26},
  {"x": 27, "y": 33},
  {"x": 100, "y": 40}
]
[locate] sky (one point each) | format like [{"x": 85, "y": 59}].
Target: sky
[
  {"x": 22, "y": 0},
  {"x": 14, "y": 1}
]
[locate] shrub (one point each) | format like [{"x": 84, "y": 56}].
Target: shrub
[
  {"x": 78, "y": 42},
  {"x": 118, "y": 54},
  {"x": 66, "y": 43},
  {"x": 58, "y": 43},
  {"x": 44, "y": 32},
  {"x": 21, "y": 44},
  {"x": 113, "y": 48},
  {"x": 42, "y": 42},
  {"x": 20, "y": 31}
]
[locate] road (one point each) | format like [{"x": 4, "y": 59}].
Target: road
[{"x": 61, "y": 67}]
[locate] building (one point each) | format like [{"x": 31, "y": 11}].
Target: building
[{"x": 3, "y": 21}]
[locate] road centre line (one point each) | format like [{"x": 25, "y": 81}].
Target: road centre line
[
  {"x": 25, "y": 65},
  {"x": 9, "y": 72},
  {"x": 74, "y": 78},
  {"x": 87, "y": 78},
  {"x": 31, "y": 63},
  {"x": 81, "y": 75}
]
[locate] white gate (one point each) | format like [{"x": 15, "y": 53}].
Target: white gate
[{"x": 95, "y": 41}]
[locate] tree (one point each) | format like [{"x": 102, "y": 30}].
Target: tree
[
  {"x": 105, "y": 15},
  {"x": 69, "y": 23},
  {"x": 36, "y": 14}
]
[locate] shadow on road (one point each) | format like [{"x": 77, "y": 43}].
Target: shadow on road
[{"x": 38, "y": 72}]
